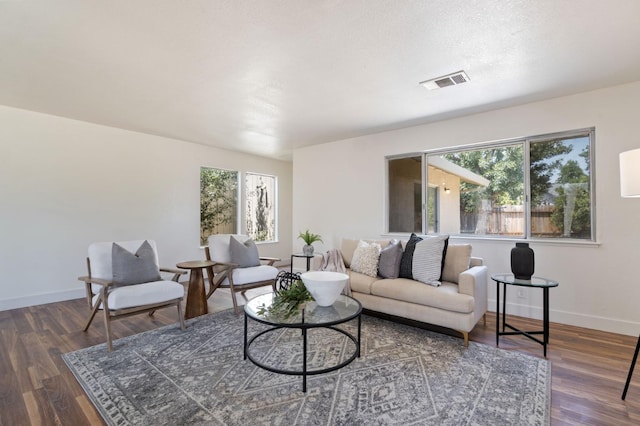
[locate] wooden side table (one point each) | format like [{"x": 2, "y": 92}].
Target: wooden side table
[{"x": 196, "y": 296}]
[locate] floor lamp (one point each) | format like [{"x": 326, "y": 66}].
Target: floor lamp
[{"x": 630, "y": 187}]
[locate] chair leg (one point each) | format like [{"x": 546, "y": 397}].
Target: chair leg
[
  {"x": 107, "y": 318},
  {"x": 107, "y": 327},
  {"x": 235, "y": 302},
  {"x": 180, "y": 316},
  {"x": 214, "y": 281},
  {"x": 93, "y": 312}
]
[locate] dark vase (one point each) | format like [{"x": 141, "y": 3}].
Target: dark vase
[{"x": 522, "y": 261}]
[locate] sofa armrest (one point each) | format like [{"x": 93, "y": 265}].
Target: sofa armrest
[
  {"x": 473, "y": 280},
  {"x": 475, "y": 261}
]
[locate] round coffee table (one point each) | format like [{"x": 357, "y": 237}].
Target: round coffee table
[{"x": 312, "y": 316}]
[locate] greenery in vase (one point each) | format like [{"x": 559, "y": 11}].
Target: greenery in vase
[
  {"x": 287, "y": 303},
  {"x": 309, "y": 238}
]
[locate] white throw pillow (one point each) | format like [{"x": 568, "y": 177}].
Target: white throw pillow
[
  {"x": 365, "y": 259},
  {"x": 427, "y": 260}
]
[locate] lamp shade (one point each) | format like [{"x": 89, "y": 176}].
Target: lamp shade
[{"x": 630, "y": 173}]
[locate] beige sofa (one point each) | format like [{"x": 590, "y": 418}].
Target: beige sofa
[{"x": 458, "y": 303}]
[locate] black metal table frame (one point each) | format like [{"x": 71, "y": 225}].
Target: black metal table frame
[
  {"x": 304, "y": 327},
  {"x": 309, "y": 257},
  {"x": 516, "y": 331}
]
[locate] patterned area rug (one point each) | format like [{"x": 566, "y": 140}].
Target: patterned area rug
[{"x": 405, "y": 376}]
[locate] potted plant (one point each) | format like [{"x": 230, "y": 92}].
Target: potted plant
[
  {"x": 287, "y": 302},
  {"x": 308, "y": 239}
]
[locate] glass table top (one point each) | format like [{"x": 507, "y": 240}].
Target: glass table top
[
  {"x": 533, "y": 282},
  {"x": 343, "y": 309}
]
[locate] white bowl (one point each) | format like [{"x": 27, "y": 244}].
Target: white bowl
[{"x": 324, "y": 286}]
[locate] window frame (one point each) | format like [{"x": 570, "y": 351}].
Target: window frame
[
  {"x": 238, "y": 198},
  {"x": 526, "y": 147},
  {"x": 245, "y": 200}
]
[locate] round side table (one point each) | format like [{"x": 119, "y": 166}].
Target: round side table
[{"x": 196, "y": 296}]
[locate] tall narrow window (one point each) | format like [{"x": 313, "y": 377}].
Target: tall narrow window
[
  {"x": 261, "y": 206},
  {"x": 405, "y": 194},
  {"x": 218, "y": 202}
]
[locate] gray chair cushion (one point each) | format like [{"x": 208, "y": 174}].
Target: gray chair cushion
[
  {"x": 244, "y": 255},
  {"x": 130, "y": 268}
]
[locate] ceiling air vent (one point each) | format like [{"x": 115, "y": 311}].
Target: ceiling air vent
[{"x": 446, "y": 80}]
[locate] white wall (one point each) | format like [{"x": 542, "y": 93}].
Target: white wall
[
  {"x": 339, "y": 191},
  {"x": 66, "y": 183}
]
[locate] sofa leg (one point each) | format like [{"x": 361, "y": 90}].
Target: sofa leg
[
  {"x": 484, "y": 319},
  {"x": 465, "y": 336}
]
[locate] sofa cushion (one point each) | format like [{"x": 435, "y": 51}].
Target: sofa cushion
[
  {"x": 407, "y": 257},
  {"x": 427, "y": 260},
  {"x": 390, "y": 258},
  {"x": 365, "y": 258},
  {"x": 142, "y": 294},
  {"x": 445, "y": 297},
  {"x": 361, "y": 283},
  {"x": 456, "y": 261}
]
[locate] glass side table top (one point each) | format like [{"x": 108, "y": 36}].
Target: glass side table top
[
  {"x": 344, "y": 309},
  {"x": 533, "y": 282}
]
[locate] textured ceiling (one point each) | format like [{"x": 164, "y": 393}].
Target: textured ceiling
[{"x": 267, "y": 76}]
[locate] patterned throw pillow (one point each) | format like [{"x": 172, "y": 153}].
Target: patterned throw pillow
[
  {"x": 390, "y": 258},
  {"x": 365, "y": 259},
  {"x": 407, "y": 257},
  {"x": 427, "y": 260},
  {"x": 138, "y": 268}
]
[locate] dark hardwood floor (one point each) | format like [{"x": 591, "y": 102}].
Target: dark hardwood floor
[{"x": 589, "y": 368}]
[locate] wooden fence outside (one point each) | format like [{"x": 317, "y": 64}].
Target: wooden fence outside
[{"x": 509, "y": 220}]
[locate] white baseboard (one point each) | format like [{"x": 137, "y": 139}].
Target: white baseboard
[
  {"x": 41, "y": 299},
  {"x": 610, "y": 325}
]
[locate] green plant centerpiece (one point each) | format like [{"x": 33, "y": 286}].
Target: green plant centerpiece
[
  {"x": 309, "y": 239},
  {"x": 287, "y": 302}
]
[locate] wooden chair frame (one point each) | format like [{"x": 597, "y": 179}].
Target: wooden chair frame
[
  {"x": 110, "y": 314},
  {"x": 217, "y": 273}
]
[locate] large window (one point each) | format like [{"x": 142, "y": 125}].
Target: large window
[
  {"x": 261, "y": 206},
  {"x": 537, "y": 187},
  {"x": 218, "y": 202}
]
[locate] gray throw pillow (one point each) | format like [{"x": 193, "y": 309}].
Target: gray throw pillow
[
  {"x": 138, "y": 268},
  {"x": 389, "y": 261},
  {"x": 244, "y": 255}
]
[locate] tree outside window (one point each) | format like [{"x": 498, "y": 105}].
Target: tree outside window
[
  {"x": 218, "y": 202},
  {"x": 494, "y": 189},
  {"x": 261, "y": 206}
]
